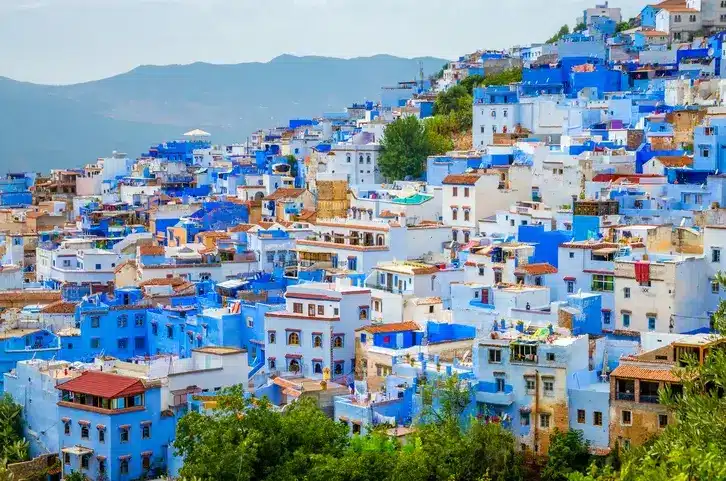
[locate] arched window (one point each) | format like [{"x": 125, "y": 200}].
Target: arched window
[
  {"x": 454, "y": 235},
  {"x": 466, "y": 215},
  {"x": 347, "y": 158},
  {"x": 272, "y": 337},
  {"x": 294, "y": 365},
  {"x": 368, "y": 159},
  {"x": 466, "y": 235},
  {"x": 317, "y": 341},
  {"x": 338, "y": 341},
  {"x": 360, "y": 159},
  {"x": 380, "y": 240},
  {"x": 293, "y": 339},
  {"x": 433, "y": 281},
  {"x": 338, "y": 368},
  {"x": 318, "y": 368}
]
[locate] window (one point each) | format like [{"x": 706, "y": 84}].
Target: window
[
  {"x": 715, "y": 254},
  {"x": 124, "y": 434},
  {"x": 145, "y": 463},
  {"x": 146, "y": 431},
  {"x": 170, "y": 332},
  {"x": 95, "y": 321},
  {"x": 123, "y": 343},
  {"x": 538, "y": 281},
  {"x": 524, "y": 419},
  {"x": 347, "y": 158},
  {"x": 626, "y": 292},
  {"x": 597, "y": 418},
  {"x": 581, "y": 416},
  {"x": 570, "y": 287},
  {"x": 321, "y": 310},
  {"x": 124, "y": 466},
  {"x": 529, "y": 384},
  {"x": 722, "y": 18},
  {"x": 101, "y": 436},
  {"x": 481, "y": 270},
  {"x": 455, "y": 191},
  {"x": 311, "y": 310},
  {"x": 662, "y": 420},
  {"x": 271, "y": 337},
  {"x": 572, "y": 255},
  {"x": 626, "y": 418},
  {"x": 548, "y": 387},
  {"x": 66, "y": 458},
  {"x": 84, "y": 461},
  {"x": 626, "y": 319},
  {"x": 98, "y": 267},
  {"x": 271, "y": 364},
  {"x": 67, "y": 428},
  {"x": 139, "y": 320},
  {"x": 497, "y": 277},
  {"x": 606, "y": 317},
  {"x": 317, "y": 340},
  {"x": 339, "y": 368},
  {"x": 494, "y": 114},
  {"x": 454, "y": 214},
  {"x": 338, "y": 342},
  {"x": 651, "y": 323},
  {"x": 454, "y": 235},
  {"x": 550, "y": 356},
  {"x": 297, "y": 308},
  {"x": 95, "y": 343},
  {"x": 466, "y": 214},
  {"x": 123, "y": 320},
  {"x": 360, "y": 159},
  {"x": 544, "y": 420},
  {"x": 505, "y": 113},
  {"x": 336, "y": 311},
  {"x": 715, "y": 288},
  {"x": 139, "y": 343},
  {"x": 500, "y": 384},
  {"x": 677, "y": 19},
  {"x": 495, "y": 356},
  {"x": 293, "y": 339},
  {"x": 466, "y": 192},
  {"x": 603, "y": 283},
  {"x": 692, "y": 18},
  {"x": 154, "y": 329}
]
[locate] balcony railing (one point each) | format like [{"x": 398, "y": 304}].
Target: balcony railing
[
  {"x": 650, "y": 398},
  {"x": 625, "y": 396}
]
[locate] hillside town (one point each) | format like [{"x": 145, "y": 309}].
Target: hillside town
[{"x": 557, "y": 254}]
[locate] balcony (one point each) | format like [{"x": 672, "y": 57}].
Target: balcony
[
  {"x": 625, "y": 396},
  {"x": 650, "y": 399},
  {"x": 498, "y": 398}
]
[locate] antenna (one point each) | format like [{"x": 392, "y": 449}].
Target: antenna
[{"x": 421, "y": 74}]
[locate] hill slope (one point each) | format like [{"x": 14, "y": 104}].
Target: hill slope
[{"x": 45, "y": 127}]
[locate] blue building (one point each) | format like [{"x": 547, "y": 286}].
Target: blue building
[
  {"x": 15, "y": 190},
  {"x": 112, "y": 427}
]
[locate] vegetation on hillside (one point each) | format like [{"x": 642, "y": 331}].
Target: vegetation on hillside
[
  {"x": 564, "y": 30},
  {"x": 13, "y": 446},
  {"x": 404, "y": 149}
]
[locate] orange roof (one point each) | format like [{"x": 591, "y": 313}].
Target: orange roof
[
  {"x": 163, "y": 281},
  {"x": 675, "y": 160},
  {"x": 637, "y": 372},
  {"x": 103, "y": 385},
  {"x": 461, "y": 179},
  {"x": 151, "y": 250},
  {"x": 241, "y": 228},
  {"x": 59, "y": 307},
  {"x": 285, "y": 193},
  {"x": 536, "y": 269},
  {"x": 654, "y": 33},
  {"x": 392, "y": 327},
  {"x": 307, "y": 215}
]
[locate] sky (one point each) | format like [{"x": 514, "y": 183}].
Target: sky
[{"x": 70, "y": 41}]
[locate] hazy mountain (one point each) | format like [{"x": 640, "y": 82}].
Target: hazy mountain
[{"x": 43, "y": 126}]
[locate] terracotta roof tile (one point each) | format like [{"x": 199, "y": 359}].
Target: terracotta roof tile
[
  {"x": 536, "y": 269},
  {"x": 392, "y": 327},
  {"x": 163, "y": 281},
  {"x": 285, "y": 193},
  {"x": 675, "y": 160},
  {"x": 637, "y": 372},
  {"x": 241, "y": 228},
  {"x": 151, "y": 250},
  {"x": 59, "y": 307},
  {"x": 461, "y": 179},
  {"x": 103, "y": 385}
]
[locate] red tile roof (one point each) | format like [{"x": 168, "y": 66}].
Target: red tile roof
[
  {"x": 675, "y": 160},
  {"x": 536, "y": 269},
  {"x": 461, "y": 179},
  {"x": 285, "y": 193},
  {"x": 637, "y": 372},
  {"x": 392, "y": 327},
  {"x": 163, "y": 281},
  {"x": 151, "y": 250},
  {"x": 632, "y": 178},
  {"x": 103, "y": 385},
  {"x": 59, "y": 307}
]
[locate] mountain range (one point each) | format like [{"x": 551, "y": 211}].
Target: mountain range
[{"x": 47, "y": 126}]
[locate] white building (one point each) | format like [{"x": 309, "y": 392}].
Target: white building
[
  {"x": 678, "y": 21},
  {"x": 315, "y": 335},
  {"x": 356, "y": 163}
]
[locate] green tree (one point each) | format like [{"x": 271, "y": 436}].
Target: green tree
[
  {"x": 404, "y": 149},
  {"x": 245, "y": 440},
  {"x": 13, "y": 446},
  {"x": 505, "y": 77},
  {"x": 568, "y": 453},
  {"x": 292, "y": 162},
  {"x": 564, "y": 30},
  {"x": 439, "y": 130},
  {"x": 580, "y": 27},
  {"x": 471, "y": 82},
  {"x": 75, "y": 476}
]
